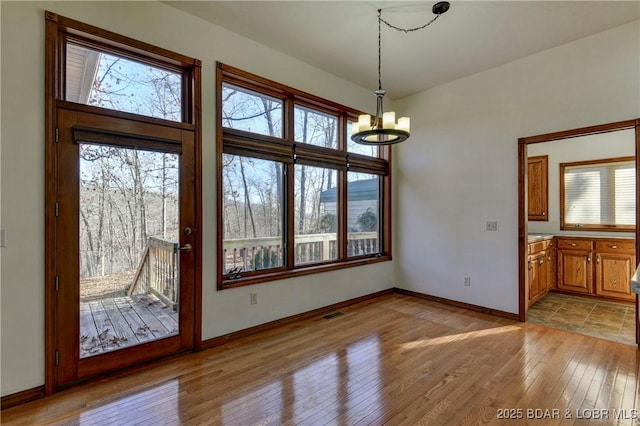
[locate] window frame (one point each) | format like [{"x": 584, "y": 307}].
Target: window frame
[
  {"x": 564, "y": 226},
  {"x": 290, "y": 152}
]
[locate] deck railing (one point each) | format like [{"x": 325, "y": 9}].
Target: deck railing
[
  {"x": 157, "y": 272},
  {"x": 260, "y": 253}
]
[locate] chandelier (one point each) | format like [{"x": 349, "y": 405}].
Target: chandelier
[{"x": 384, "y": 130}]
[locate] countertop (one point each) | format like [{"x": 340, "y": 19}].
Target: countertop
[{"x": 534, "y": 237}]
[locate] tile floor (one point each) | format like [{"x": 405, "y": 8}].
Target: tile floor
[{"x": 606, "y": 320}]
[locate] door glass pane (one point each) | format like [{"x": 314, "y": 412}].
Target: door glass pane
[
  {"x": 129, "y": 272},
  {"x": 253, "y": 214},
  {"x": 316, "y": 214},
  {"x": 113, "y": 82},
  {"x": 363, "y": 206}
]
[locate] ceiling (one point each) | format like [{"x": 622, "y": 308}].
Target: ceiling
[{"x": 340, "y": 37}]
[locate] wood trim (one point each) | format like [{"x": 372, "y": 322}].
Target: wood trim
[
  {"x": 343, "y": 216},
  {"x": 22, "y": 397},
  {"x": 583, "y": 131},
  {"x": 90, "y": 109},
  {"x": 230, "y": 337},
  {"x": 52, "y": 53},
  {"x": 119, "y": 41},
  {"x": 476, "y": 308},
  {"x": 523, "y": 288},
  {"x": 306, "y": 270},
  {"x": 196, "y": 106}
]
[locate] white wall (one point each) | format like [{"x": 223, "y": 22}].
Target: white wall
[
  {"x": 591, "y": 147},
  {"x": 459, "y": 169},
  {"x": 22, "y": 174}
]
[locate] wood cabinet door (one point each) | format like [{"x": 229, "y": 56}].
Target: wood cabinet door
[
  {"x": 574, "y": 271},
  {"x": 551, "y": 268},
  {"x": 537, "y": 276},
  {"x": 537, "y": 171},
  {"x": 613, "y": 275}
]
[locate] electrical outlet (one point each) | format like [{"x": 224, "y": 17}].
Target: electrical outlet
[
  {"x": 467, "y": 281},
  {"x": 253, "y": 298},
  {"x": 492, "y": 225}
]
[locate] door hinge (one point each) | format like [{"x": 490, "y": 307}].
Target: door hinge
[
  {"x": 57, "y": 207},
  {"x": 57, "y": 135},
  {"x": 57, "y": 357},
  {"x": 56, "y": 283}
]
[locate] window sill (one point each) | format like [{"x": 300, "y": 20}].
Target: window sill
[{"x": 316, "y": 269}]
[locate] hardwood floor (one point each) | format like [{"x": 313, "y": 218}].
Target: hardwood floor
[{"x": 394, "y": 360}]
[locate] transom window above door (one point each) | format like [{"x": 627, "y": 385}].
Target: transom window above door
[{"x": 108, "y": 80}]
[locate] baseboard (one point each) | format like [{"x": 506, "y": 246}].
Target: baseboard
[
  {"x": 476, "y": 308},
  {"x": 220, "y": 340},
  {"x": 21, "y": 397}
]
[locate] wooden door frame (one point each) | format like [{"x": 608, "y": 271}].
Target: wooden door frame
[
  {"x": 57, "y": 28},
  {"x": 522, "y": 195}
]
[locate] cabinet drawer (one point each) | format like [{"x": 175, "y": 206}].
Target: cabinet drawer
[
  {"x": 615, "y": 246},
  {"x": 539, "y": 246},
  {"x": 575, "y": 244}
]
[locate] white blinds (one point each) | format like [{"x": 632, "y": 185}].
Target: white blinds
[{"x": 600, "y": 194}]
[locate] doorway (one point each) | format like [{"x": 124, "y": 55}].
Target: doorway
[
  {"x": 123, "y": 206},
  {"x": 575, "y": 250}
]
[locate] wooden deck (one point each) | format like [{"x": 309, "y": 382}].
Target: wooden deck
[{"x": 115, "y": 323}]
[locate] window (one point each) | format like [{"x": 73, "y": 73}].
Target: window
[
  {"x": 112, "y": 81},
  {"x": 296, "y": 196},
  {"x": 251, "y": 214},
  {"x": 250, "y": 111},
  {"x": 315, "y": 222},
  {"x": 598, "y": 195},
  {"x": 363, "y": 207}
]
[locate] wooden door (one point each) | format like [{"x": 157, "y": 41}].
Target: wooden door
[
  {"x": 537, "y": 172},
  {"x": 613, "y": 275},
  {"x": 124, "y": 289},
  {"x": 574, "y": 271}
]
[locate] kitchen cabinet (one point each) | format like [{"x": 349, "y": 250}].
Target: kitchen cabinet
[
  {"x": 575, "y": 271},
  {"x": 540, "y": 277},
  {"x": 615, "y": 265},
  {"x": 596, "y": 266},
  {"x": 538, "y": 187}
]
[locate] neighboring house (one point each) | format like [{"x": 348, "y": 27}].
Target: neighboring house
[{"x": 363, "y": 195}]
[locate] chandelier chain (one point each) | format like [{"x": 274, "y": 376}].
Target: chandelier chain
[
  {"x": 379, "y": 51},
  {"x": 405, "y": 30}
]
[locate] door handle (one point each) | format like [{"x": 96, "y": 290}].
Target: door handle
[{"x": 186, "y": 247}]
